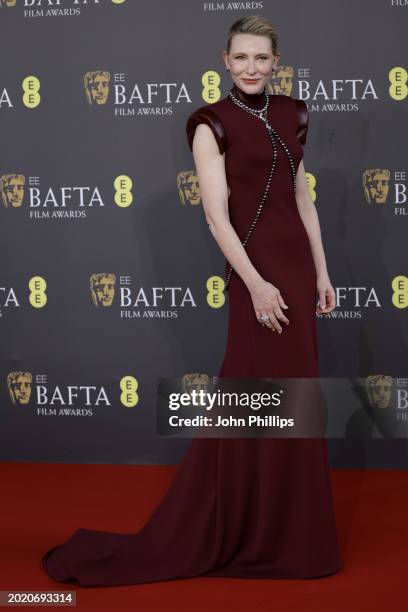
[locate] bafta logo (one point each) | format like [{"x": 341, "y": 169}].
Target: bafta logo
[
  {"x": 7, "y": 3},
  {"x": 188, "y": 188},
  {"x": 19, "y": 385},
  {"x": 96, "y": 84},
  {"x": 399, "y": 287},
  {"x": 379, "y": 390},
  {"x": 376, "y": 184},
  {"x": 102, "y": 288},
  {"x": 12, "y": 189},
  {"x": 195, "y": 381},
  {"x": 282, "y": 81}
]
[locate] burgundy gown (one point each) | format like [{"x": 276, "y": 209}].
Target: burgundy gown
[{"x": 239, "y": 507}]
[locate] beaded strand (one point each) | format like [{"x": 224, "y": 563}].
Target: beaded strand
[{"x": 273, "y": 135}]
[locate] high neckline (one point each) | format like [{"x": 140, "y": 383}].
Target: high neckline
[{"x": 255, "y": 100}]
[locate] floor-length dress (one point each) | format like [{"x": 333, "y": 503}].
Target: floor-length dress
[{"x": 240, "y": 507}]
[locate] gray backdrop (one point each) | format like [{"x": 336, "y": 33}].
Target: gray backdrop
[{"x": 99, "y": 206}]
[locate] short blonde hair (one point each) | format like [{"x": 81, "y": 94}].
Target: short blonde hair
[{"x": 254, "y": 24}]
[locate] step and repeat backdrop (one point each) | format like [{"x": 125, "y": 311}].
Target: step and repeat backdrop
[{"x": 110, "y": 279}]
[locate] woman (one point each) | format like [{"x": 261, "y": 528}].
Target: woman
[{"x": 250, "y": 507}]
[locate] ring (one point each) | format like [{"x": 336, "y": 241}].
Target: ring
[{"x": 263, "y": 317}]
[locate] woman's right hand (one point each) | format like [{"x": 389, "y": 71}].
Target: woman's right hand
[{"x": 267, "y": 299}]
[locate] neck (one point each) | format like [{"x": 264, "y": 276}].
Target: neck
[{"x": 255, "y": 100}]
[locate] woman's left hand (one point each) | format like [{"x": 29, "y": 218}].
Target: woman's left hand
[{"x": 327, "y": 295}]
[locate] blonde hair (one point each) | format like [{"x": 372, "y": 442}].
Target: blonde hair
[{"x": 254, "y": 24}]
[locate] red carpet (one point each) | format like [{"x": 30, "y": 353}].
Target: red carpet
[{"x": 42, "y": 504}]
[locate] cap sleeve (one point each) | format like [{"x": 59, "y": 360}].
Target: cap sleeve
[
  {"x": 302, "y": 120},
  {"x": 207, "y": 116}
]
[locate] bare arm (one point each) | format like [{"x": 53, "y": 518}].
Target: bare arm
[
  {"x": 210, "y": 166},
  {"x": 308, "y": 213}
]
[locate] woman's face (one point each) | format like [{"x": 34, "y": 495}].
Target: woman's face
[{"x": 251, "y": 61}]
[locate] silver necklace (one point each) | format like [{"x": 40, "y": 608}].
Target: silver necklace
[{"x": 262, "y": 114}]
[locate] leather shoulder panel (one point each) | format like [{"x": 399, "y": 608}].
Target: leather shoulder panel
[
  {"x": 210, "y": 118},
  {"x": 303, "y": 120}
]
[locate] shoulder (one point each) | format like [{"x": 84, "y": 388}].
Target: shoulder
[
  {"x": 293, "y": 103},
  {"x": 211, "y": 115},
  {"x": 302, "y": 115},
  {"x": 298, "y": 111}
]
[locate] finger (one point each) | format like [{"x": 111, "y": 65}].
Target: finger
[
  {"x": 332, "y": 299},
  {"x": 330, "y": 302},
  {"x": 322, "y": 300},
  {"x": 267, "y": 322},
  {"x": 258, "y": 314},
  {"x": 274, "y": 321},
  {"x": 319, "y": 309},
  {"x": 279, "y": 314},
  {"x": 282, "y": 302}
]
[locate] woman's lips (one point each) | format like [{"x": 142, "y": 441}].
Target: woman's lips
[{"x": 250, "y": 80}]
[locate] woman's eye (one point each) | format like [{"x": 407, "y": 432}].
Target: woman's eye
[{"x": 241, "y": 57}]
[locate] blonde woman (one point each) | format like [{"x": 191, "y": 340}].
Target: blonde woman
[{"x": 243, "y": 507}]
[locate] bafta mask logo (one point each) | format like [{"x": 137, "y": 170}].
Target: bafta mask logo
[
  {"x": 282, "y": 81},
  {"x": 96, "y": 84},
  {"x": 376, "y": 184},
  {"x": 195, "y": 381},
  {"x": 379, "y": 390},
  {"x": 7, "y": 3},
  {"x": 188, "y": 187},
  {"x": 103, "y": 289},
  {"x": 12, "y": 189},
  {"x": 19, "y": 386}
]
